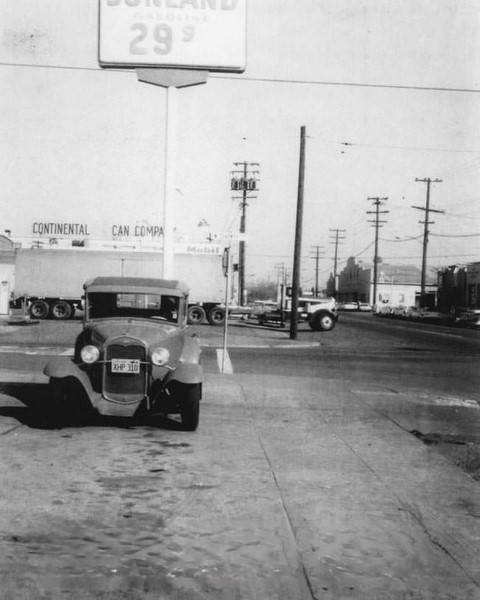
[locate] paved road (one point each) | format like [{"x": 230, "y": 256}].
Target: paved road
[
  {"x": 403, "y": 355},
  {"x": 302, "y": 482}
]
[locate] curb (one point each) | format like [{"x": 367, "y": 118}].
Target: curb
[{"x": 263, "y": 346}]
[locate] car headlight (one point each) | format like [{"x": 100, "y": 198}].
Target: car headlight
[
  {"x": 89, "y": 354},
  {"x": 160, "y": 356}
]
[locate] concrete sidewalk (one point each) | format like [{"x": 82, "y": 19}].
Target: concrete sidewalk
[
  {"x": 376, "y": 514},
  {"x": 249, "y": 334}
]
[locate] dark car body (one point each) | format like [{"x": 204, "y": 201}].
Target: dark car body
[{"x": 135, "y": 352}]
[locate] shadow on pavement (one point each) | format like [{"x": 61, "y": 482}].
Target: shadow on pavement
[{"x": 34, "y": 412}]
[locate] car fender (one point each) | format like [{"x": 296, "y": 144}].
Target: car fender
[
  {"x": 191, "y": 349},
  {"x": 61, "y": 366},
  {"x": 186, "y": 373}
]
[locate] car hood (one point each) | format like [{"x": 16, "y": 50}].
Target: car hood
[{"x": 149, "y": 332}]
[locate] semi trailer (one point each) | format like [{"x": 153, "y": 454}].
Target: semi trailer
[{"x": 48, "y": 282}]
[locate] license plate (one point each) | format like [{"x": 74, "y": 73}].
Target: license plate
[{"x": 125, "y": 365}]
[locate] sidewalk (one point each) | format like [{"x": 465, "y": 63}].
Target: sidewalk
[
  {"x": 376, "y": 513},
  {"x": 249, "y": 334}
]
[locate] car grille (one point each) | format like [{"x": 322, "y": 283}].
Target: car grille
[{"x": 124, "y": 386}]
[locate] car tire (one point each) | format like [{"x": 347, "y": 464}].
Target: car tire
[
  {"x": 58, "y": 401},
  {"x": 61, "y": 310},
  {"x": 196, "y": 315},
  {"x": 216, "y": 316},
  {"x": 190, "y": 406},
  {"x": 68, "y": 403},
  {"x": 322, "y": 321},
  {"x": 39, "y": 309}
]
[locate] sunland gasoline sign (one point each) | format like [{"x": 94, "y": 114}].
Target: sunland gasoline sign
[{"x": 196, "y": 34}]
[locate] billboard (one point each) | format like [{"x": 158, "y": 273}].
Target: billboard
[{"x": 193, "y": 34}]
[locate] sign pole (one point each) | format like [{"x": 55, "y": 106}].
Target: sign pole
[
  {"x": 227, "y": 259},
  {"x": 169, "y": 181},
  {"x": 171, "y": 80}
]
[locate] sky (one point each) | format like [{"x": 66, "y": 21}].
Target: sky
[{"x": 388, "y": 92}]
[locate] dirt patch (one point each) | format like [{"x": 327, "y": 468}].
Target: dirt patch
[{"x": 464, "y": 453}]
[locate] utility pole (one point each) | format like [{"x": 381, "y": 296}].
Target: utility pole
[
  {"x": 377, "y": 223},
  {"x": 298, "y": 238},
  {"x": 338, "y": 238},
  {"x": 282, "y": 278},
  {"x": 426, "y": 231},
  {"x": 317, "y": 258},
  {"x": 244, "y": 180}
]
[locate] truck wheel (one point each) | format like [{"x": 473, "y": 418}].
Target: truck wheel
[
  {"x": 322, "y": 322},
  {"x": 216, "y": 316},
  {"x": 190, "y": 406},
  {"x": 61, "y": 310},
  {"x": 196, "y": 315},
  {"x": 39, "y": 309}
]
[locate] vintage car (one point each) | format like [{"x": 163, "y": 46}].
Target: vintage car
[{"x": 135, "y": 354}]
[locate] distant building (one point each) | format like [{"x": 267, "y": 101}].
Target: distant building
[
  {"x": 397, "y": 285},
  {"x": 459, "y": 287}
]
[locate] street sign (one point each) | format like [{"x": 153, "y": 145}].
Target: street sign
[{"x": 195, "y": 34}]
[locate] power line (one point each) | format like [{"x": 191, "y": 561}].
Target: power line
[
  {"x": 269, "y": 79},
  {"x": 390, "y": 147},
  {"x": 407, "y": 239},
  {"x": 467, "y": 235},
  {"x": 351, "y": 84},
  {"x": 62, "y": 67}
]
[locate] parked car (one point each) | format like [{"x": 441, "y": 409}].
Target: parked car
[
  {"x": 383, "y": 310},
  {"x": 364, "y": 307},
  {"x": 398, "y": 311},
  {"x": 411, "y": 312},
  {"x": 434, "y": 316},
  {"x": 348, "y": 306},
  {"x": 134, "y": 355}
]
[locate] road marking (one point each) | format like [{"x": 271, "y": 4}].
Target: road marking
[
  {"x": 426, "y": 398},
  {"x": 420, "y": 330},
  {"x": 224, "y": 362},
  {"x": 281, "y": 346},
  {"x": 375, "y": 392},
  {"x": 33, "y": 350}
]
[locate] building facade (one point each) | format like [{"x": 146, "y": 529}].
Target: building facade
[{"x": 397, "y": 285}]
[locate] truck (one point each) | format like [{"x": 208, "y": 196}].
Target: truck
[
  {"x": 48, "y": 282},
  {"x": 320, "y": 313},
  {"x": 459, "y": 292}
]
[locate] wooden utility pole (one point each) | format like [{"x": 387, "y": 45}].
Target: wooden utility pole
[
  {"x": 337, "y": 239},
  {"x": 426, "y": 231},
  {"x": 244, "y": 181},
  {"x": 298, "y": 238},
  {"x": 317, "y": 259},
  {"x": 377, "y": 223}
]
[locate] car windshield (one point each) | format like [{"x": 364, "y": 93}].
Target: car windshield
[{"x": 103, "y": 305}]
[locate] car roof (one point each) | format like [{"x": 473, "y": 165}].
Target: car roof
[{"x": 146, "y": 285}]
